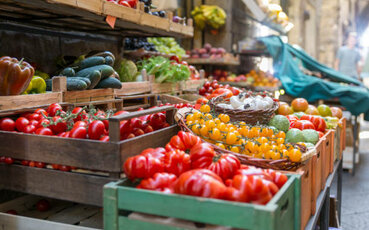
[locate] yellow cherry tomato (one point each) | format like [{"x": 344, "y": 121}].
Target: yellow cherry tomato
[
  {"x": 231, "y": 138},
  {"x": 189, "y": 122},
  {"x": 197, "y": 115},
  {"x": 281, "y": 134},
  {"x": 224, "y": 118},
  {"x": 217, "y": 121},
  {"x": 250, "y": 146},
  {"x": 220, "y": 145},
  {"x": 190, "y": 117},
  {"x": 235, "y": 149},
  {"x": 262, "y": 140},
  {"x": 280, "y": 141},
  {"x": 265, "y": 147},
  {"x": 215, "y": 134},
  {"x": 242, "y": 123},
  {"x": 222, "y": 127},
  {"x": 208, "y": 116},
  {"x": 275, "y": 155},
  {"x": 254, "y": 132},
  {"x": 210, "y": 124},
  {"x": 196, "y": 129},
  {"x": 204, "y": 131},
  {"x": 295, "y": 155},
  {"x": 205, "y": 108}
]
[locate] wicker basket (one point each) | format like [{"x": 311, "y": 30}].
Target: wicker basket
[
  {"x": 252, "y": 117},
  {"x": 282, "y": 164}
]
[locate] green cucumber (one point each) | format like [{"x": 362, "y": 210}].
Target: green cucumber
[
  {"x": 109, "y": 60},
  {"x": 68, "y": 72},
  {"x": 75, "y": 84},
  {"x": 90, "y": 62},
  {"x": 85, "y": 79},
  {"x": 49, "y": 84},
  {"x": 109, "y": 82},
  {"x": 105, "y": 70},
  {"x": 95, "y": 78}
]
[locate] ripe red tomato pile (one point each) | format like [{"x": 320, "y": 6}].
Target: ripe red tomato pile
[
  {"x": 213, "y": 89},
  {"x": 307, "y": 122},
  {"x": 189, "y": 167},
  {"x": 179, "y": 105}
]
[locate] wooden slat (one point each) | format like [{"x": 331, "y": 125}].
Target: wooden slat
[
  {"x": 88, "y": 95},
  {"x": 56, "y": 206},
  {"x": 95, "y": 221},
  {"x": 88, "y": 154},
  {"x": 11, "y": 222},
  {"x": 74, "y": 214},
  {"x": 131, "y": 88},
  {"x": 30, "y": 100},
  {"x": 85, "y": 189}
]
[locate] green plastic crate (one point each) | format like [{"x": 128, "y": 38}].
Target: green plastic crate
[{"x": 282, "y": 212}]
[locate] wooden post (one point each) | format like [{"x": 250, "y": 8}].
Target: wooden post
[{"x": 59, "y": 84}]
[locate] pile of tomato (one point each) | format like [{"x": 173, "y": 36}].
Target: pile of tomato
[
  {"x": 308, "y": 122},
  {"x": 214, "y": 89},
  {"x": 202, "y": 172},
  {"x": 255, "y": 141}
]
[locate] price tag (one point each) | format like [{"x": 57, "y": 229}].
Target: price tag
[{"x": 111, "y": 21}]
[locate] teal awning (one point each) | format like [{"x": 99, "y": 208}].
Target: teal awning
[{"x": 353, "y": 95}]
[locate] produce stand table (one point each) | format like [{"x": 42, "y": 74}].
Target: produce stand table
[{"x": 219, "y": 61}]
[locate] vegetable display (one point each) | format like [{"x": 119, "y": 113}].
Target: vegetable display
[
  {"x": 15, "y": 76},
  {"x": 203, "y": 172},
  {"x": 167, "y": 46},
  {"x": 165, "y": 70}
]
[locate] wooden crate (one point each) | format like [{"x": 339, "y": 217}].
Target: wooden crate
[
  {"x": 30, "y": 100},
  {"x": 317, "y": 171},
  {"x": 282, "y": 212},
  {"x": 134, "y": 102},
  {"x": 305, "y": 176},
  {"x": 61, "y": 215},
  {"x": 337, "y": 144},
  {"x": 90, "y": 155},
  {"x": 327, "y": 156}
]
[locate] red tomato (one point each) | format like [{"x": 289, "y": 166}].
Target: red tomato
[
  {"x": 32, "y": 164},
  {"x": 321, "y": 134},
  {"x": 58, "y": 125},
  {"x": 124, "y": 3},
  {"x": 278, "y": 178},
  {"x": 202, "y": 100},
  {"x": 8, "y": 160},
  {"x": 43, "y": 205},
  {"x": 200, "y": 182},
  {"x": 64, "y": 168},
  {"x": 202, "y": 91},
  {"x": 30, "y": 129},
  {"x": 292, "y": 118},
  {"x": 25, "y": 163},
  {"x": 55, "y": 166},
  {"x": 163, "y": 182},
  {"x": 222, "y": 91},
  {"x": 235, "y": 91},
  {"x": 2, "y": 159},
  {"x": 183, "y": 141},
  {"x": 80, "y": 114},
  {"x": 34, "y": 122},
  {"x": 21, "y": 123},
  {"x": 177, "y": 162},
  {"x": 131, "y": 135},
  {"x": 40, "y": 164},
  {"x": 207, "y": 85},
  {"x": 44, "y": 131},
  {"x": 43, "y": 123},
  {"x": 120, "y": 113},
  {"x": 224, "y": 165},
  {"x": 41, "y": 111},
  {"x": 78, "y": 132},
  {"x": 142, "y": 166},
  {"x": 64, "y": 134},
  {"x": 104, "y": 138},
  {"x": 12, "y": 212},
  {"x": 136, "y": 123},
  {"x": 35, "y": 116},
  {"x": 53, "y": 108},
  {"x": 318, "y": 122},
  {"x": 96, "y": 129},
  {"x": 157, "y": 120},
  {"x": 148, "y": 129},
  {"x": 158, "y": 153},
  {"x": 174, "y": 58},
  {"x": 7, "y": 124},
  {"x": 138, "y": 132},
  {"x": 80, "y": 124},
  {"x": 302, "y": 124}
]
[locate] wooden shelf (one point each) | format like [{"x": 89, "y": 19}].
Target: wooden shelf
[
  {"x": 228, "y": 60},
  {"x": 89, "y": 16},
  {"x": 256, "y": 53}
]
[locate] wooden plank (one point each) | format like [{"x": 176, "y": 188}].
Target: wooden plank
[
  {"x": 95, "y": 221},
  {"x": 75, "y": 187},
  {"x": 227, "y": 60},
  {"x": 11, "y": 222},
  {"x": 20, "y": 204},
  {"x": 30, "y": 100},
  {"x": 121, "y": 12},
  {"x": 88, "y": 95},
  {"x": 81, "y": 153},
  {"x": 131, "y": 88},
  {"x": 111, "y": 211},
  {"x": 56, "y": 206},
  {"x": 74, "y": 214}
]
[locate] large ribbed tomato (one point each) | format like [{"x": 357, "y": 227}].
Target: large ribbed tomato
[
  {"x": 142, "y": 166},
  {"x": 200, "y": 182},
  {"x": 162, "y": 182},
  {"x": 177, "y": 162},
  {"x": 158, "y": 153},
  {"x": 302, "y": 124},
  {"x": 204, "y": 156},
  {"x": 318, "y": 122},
  {"x": 183, "y": 141}
]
